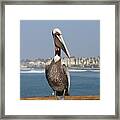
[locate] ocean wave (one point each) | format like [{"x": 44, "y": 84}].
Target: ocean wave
[
  {"x": 33, "y": 71},
  {"x": 94, "y": 70},
  {"x": 74, "y": 70}
]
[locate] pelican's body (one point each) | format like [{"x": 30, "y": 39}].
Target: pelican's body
[
  {"x": 56, "y": 73},
  {"x": 57, "y": 78}
]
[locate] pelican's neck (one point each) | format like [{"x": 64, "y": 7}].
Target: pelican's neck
[
  {"x": 57, "y": 54},
  {"x": 56, "y": 58},
  {"x": 57, "y": 51}
]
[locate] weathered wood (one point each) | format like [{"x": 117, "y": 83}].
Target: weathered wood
[{"x": 66, "y": 98}]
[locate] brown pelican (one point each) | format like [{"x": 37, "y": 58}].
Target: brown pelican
[{"x": 57, "y": 74}]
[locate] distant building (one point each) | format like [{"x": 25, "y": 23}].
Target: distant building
[{"x": 79, "y": 62}]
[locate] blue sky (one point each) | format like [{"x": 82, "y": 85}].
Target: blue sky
[{"x": 82, "y": 37}]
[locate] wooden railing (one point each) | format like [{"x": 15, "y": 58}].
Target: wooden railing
[{"x": 66, "y": 98}]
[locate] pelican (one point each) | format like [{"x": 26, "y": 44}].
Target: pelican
[{"x": 57, "y": 73}]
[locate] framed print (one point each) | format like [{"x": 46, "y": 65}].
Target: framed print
[{"x": 59, "y": 59}]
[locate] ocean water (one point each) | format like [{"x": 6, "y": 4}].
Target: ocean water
[{"x": 82, "y": 83}]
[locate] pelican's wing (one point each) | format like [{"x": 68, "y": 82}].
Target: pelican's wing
[
  {"x": 47, "y": 74},
  {"x": 68, "y": 75},
  {"x": 46, "y": 71}
]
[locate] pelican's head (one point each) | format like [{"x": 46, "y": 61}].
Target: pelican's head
[{"x": 59, "y": 42}]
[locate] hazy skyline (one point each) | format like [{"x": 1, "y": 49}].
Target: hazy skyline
[{"x": 82, "y": 37}]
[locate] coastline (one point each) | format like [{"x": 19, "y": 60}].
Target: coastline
[{"x": 70, "y": 70}]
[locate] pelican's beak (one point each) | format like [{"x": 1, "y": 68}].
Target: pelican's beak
[{"x": 60, "y": 43}]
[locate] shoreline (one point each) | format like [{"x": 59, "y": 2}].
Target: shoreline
[{"x": 70, "y": 70}]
